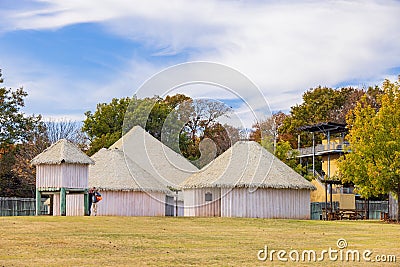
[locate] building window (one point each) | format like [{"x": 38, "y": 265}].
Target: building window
[{"x": 208, "y": 196}]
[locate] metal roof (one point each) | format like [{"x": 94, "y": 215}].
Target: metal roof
[{"x": 323, "y": 127}]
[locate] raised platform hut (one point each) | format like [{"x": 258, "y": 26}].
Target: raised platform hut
[{"x": 62, "y": 174}]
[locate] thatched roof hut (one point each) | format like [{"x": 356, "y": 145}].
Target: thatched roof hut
[
  {"x": 62, "y": 151},
  {"x": 169, "y": 167},
  {"x": 62, "y": 173},
  {"x": 247, "y": 181},
  {"x": 247, "y": 164},
  {"x": 126, "y": 188},
  {"x": 114, "y": 171}
]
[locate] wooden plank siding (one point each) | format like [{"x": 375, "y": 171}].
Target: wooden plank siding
[
  {"x": 56, "y": 204},
  {"x": 62, "y": 175},
  {"x": 265, "y": 203},
  {"x": 196, "y": 204},
  {"x": 75, "y": 205},
  {"x": 392, "y": 206},
  {"x": 131, "y": 203}
]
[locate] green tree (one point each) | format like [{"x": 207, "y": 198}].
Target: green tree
[
  {"x": 110, "y": 120},
  {"x": 15, "y": 126},
  {"x": 374, "y": 162},
  {"x": 287, "y": 154},
  {"x": 104, "y": 126}
]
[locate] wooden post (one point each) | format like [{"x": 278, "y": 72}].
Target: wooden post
[
  {"x": 38, "y": 201},
  {"x": 326, "y": 200},
  {"x": 63, "y": 201},
  {"x": 330, "y": 197},
  {"x": 86, "y": 203},
  {"x": 298, "y": 147},
  {"x": 176, "y": 204},
  {"x": 313, "y": 154}
]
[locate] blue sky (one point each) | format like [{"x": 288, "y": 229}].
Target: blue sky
[{"x": 71, "y": 55}]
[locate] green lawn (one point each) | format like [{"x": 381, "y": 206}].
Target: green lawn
[{"x": 163, "y": 241}]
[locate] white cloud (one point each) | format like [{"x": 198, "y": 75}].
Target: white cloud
[{"x": 284, "y": 48}]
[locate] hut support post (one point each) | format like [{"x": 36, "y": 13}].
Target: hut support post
[
  {"x": 86, "y": 203},
  {"x": 313, "y": 154},
  {"x": 63, "y": 201},
  {"x": 38, "y": 201}
]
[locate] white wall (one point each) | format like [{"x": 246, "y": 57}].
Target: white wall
[
  {"x": 131, "y": 203},
  {"x": 56, "y": 204},
  {"x": 265, "y": 203},
  {"x": 75, "y": 205},
  {"x": 195, "y": 204},
  {"x": 62, "y": 175}
]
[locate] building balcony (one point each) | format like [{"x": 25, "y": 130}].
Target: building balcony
[{"x": 322, "y": 149}]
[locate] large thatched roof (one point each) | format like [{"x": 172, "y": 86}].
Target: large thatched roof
[
  {"x": 114, "y": 171},
  {"x": 62, "y": 151},
  {"x": 166, "y": 165},
  {"x": 247, "y": 164}
]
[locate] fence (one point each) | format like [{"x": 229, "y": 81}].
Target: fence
[
  {"x": 14, "y": 206},
  {"x": 317, "y": 207},
  {"x": 375, "y": 208}
]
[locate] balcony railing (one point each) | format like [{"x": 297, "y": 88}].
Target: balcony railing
[
  {"x": 324, "y": 148},
  {"x": 343, "y": 190}
]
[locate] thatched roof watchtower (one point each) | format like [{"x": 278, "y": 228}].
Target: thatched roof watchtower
[{"x": 62, "y": 173}]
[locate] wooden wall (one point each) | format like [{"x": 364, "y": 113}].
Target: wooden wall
[
  {"x": 392, "y": 207},
  {"x": 75, "y": 175},
  {"x": 131, "y": 203},
  {"x": 265, "y": 203},
  {"x": 75, "y": 205},
  {"x": 56, "y": 204},
  {"x": 196, "y": 205},
  {"x": 62, "y": 175}
]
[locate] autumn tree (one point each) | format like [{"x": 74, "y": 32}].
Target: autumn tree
[
  {"x": 16, "y": 128},
  {"x": 202, "y": 120},
  {"x": 374, "y": 162},
  {"x": 223, "y": 136},
  {"x": 322, "y": 104},
  {"x": 266, "y": 132},
  {"x": 23, "y": 154}
]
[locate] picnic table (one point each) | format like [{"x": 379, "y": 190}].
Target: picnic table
[
  {"x": 343, "y": 214},
  {"x": 351, "y": 214}
]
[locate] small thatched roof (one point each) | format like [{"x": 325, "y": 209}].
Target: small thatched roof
[
  {"x": 62, "y": 151},
  {"x": 115, "y": 171},
  {"x": 247, "y": 164},
  {"x": 169, "y": 167}
]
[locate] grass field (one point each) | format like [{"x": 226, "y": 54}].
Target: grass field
[{"x": 163, "y": 241}]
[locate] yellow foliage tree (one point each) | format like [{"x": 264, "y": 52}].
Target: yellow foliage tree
[{"x": 374, "y": 162}]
